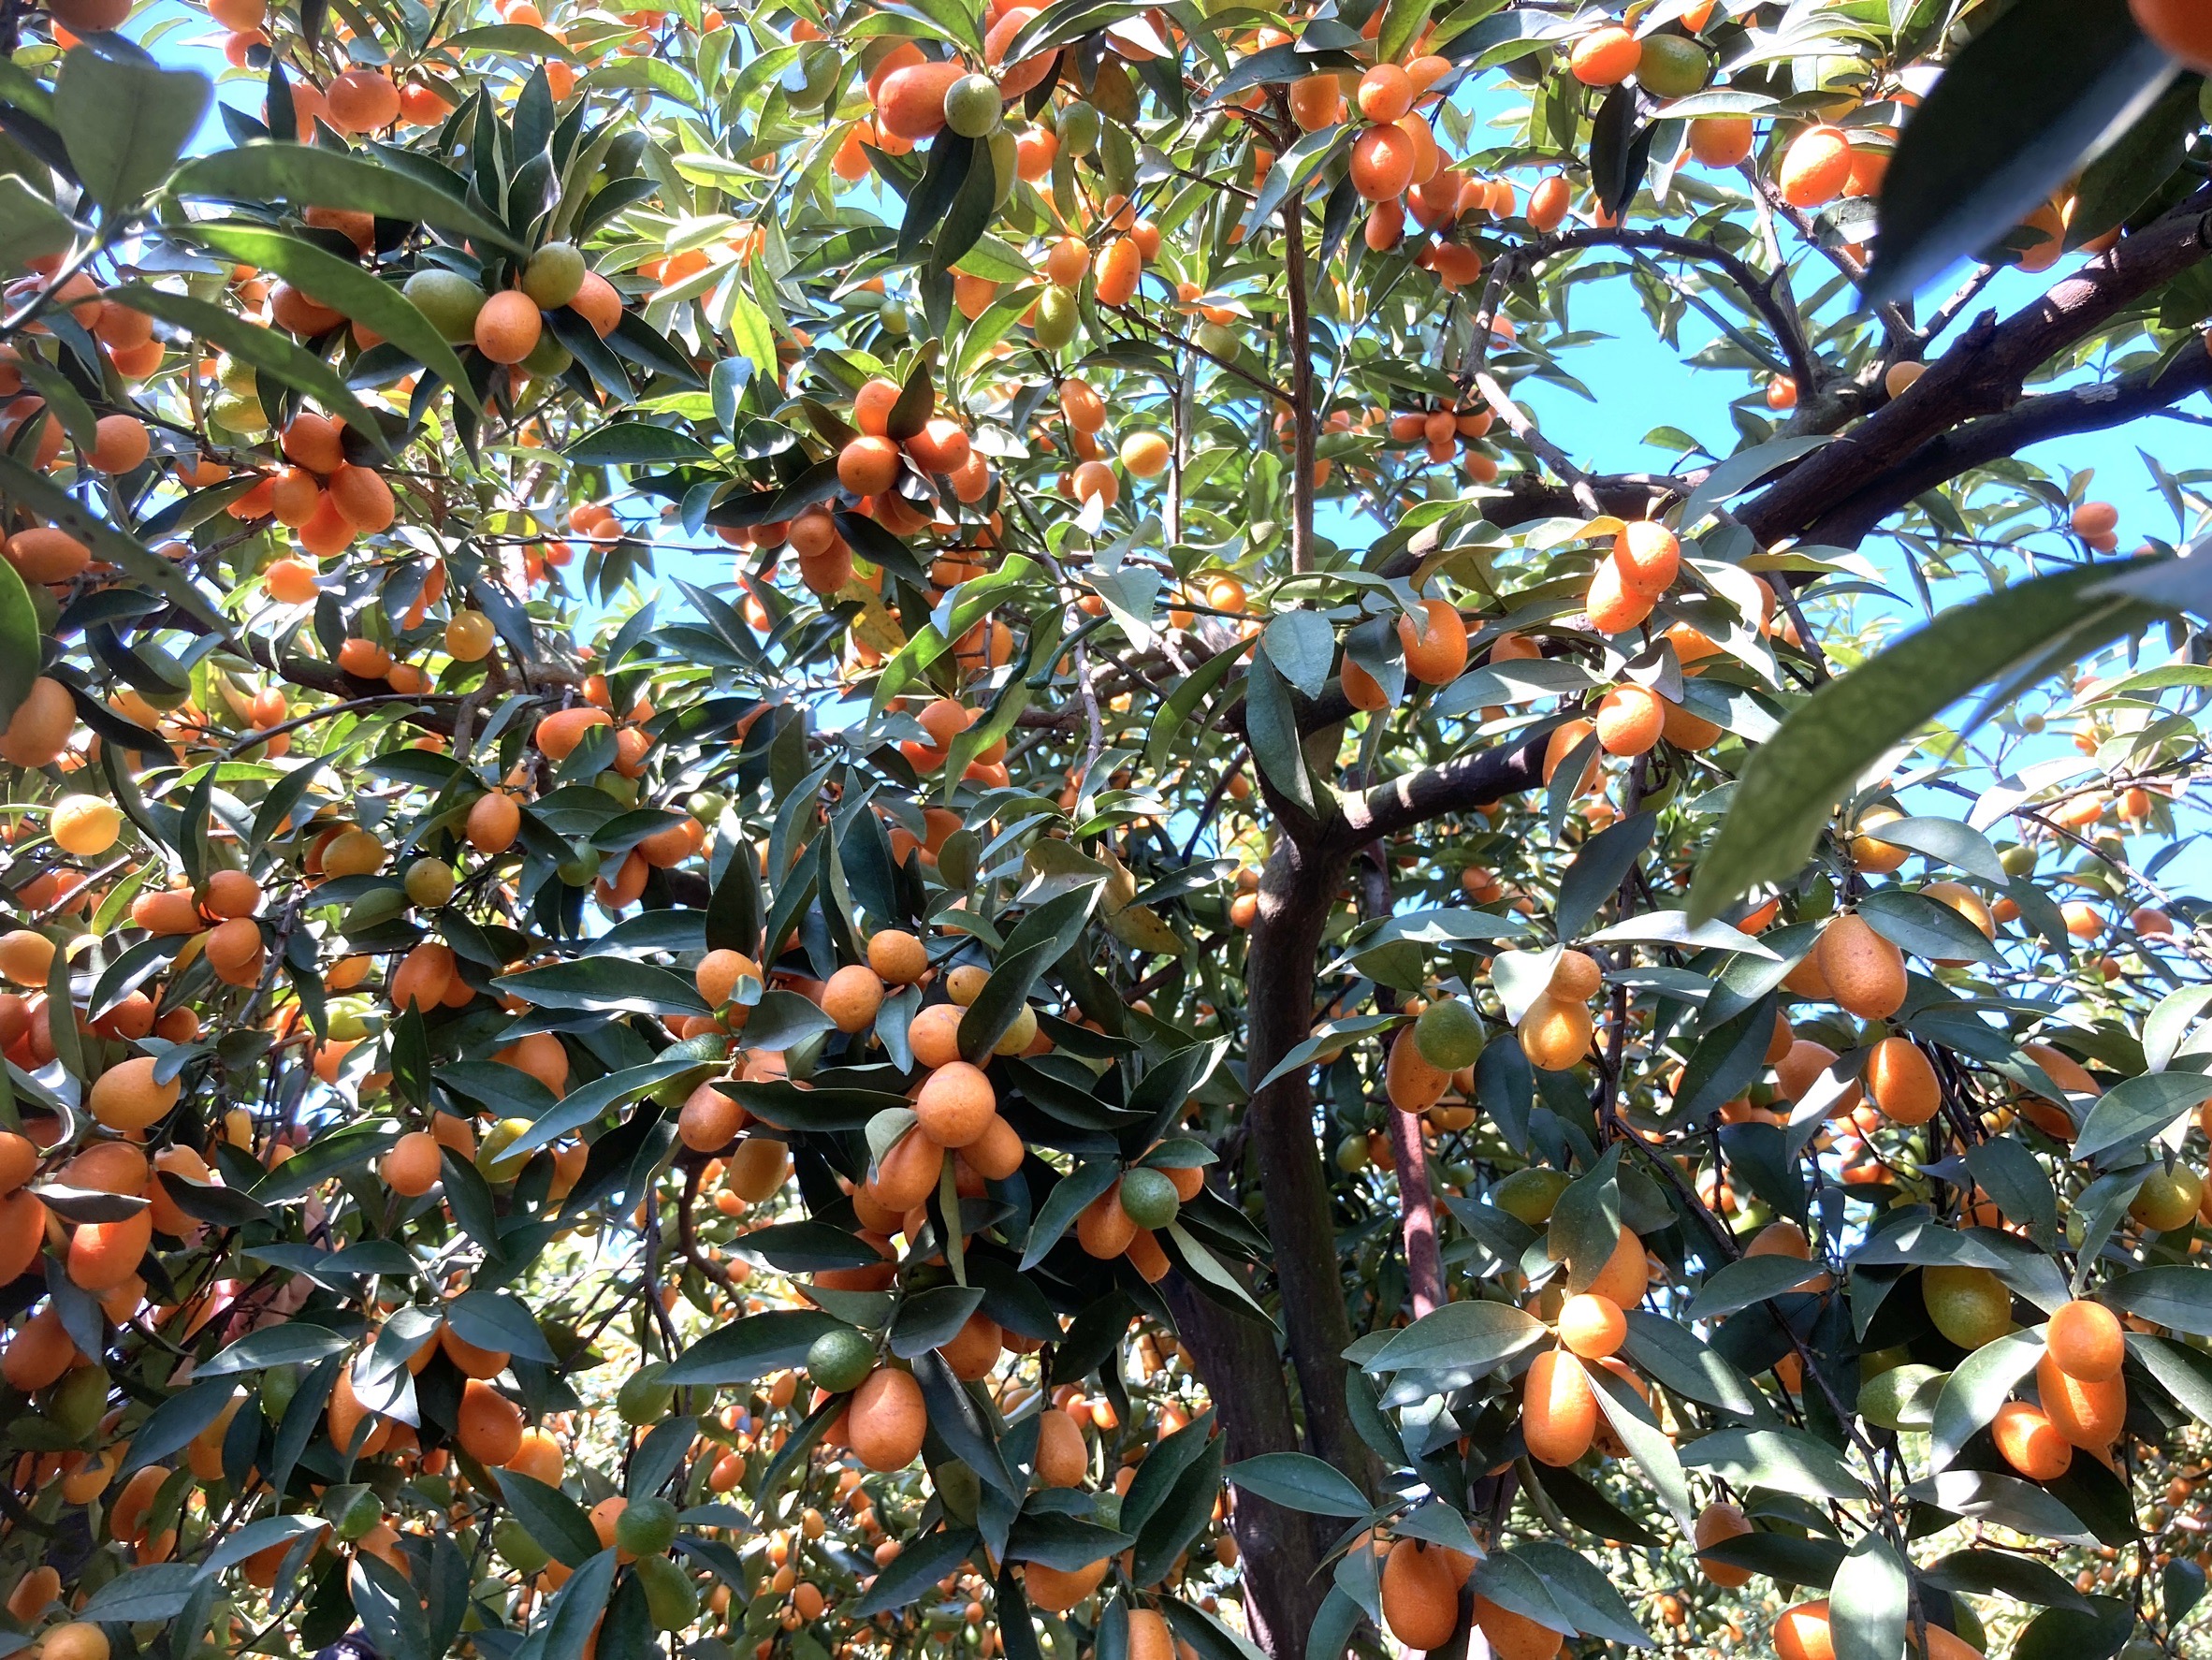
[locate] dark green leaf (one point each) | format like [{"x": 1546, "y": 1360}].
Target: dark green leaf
[
  {"x": 2006, "y": 123},
  {"x": 311, "y": 175},
  {"x": 124, "y": 119}
]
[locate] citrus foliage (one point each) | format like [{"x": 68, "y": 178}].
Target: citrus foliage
[{"x": 561, "y": 1092}]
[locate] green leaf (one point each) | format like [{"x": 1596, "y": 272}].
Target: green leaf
[
  {"x": 314, "y": 177},
  {"x": 1270, "y": 724},
  {"x": 19, "y": 639},
  {"x": 1300, "y": 1481},
  {"x": 554, "y": 1522},
  {"x": 158, "y": 1591},
  {"x": 750, "y": 1349},
  {"x": 31, "y": 227},
  {"x": 2006, "y": 1501},
  {"x": 1183, "y": 701},
  {"x": 917, "y": 1569},
  {"x": 1597, "y": 870},
  {"x": 1951, "y": 842},
  {"x": 294, "y": 1343},
  {"x": 1747, "y": 1280},
  {"x": 343, "y": 287},
  {"x": 497, "y": 1321},
  {"x": 143, "y": 566},
  {"x": 2138, "y": 1110},
  {"x": 1045, "y": 936},
  {"x": 1869, "y": 1602},
  {"x": 517, "y": 40},
  {"x": 1302, "y": 644},
  {"x": 124, "y": 119},
  {"x": 2006, "y": 123},
  {"x": 1979, "y": 1386},
  {"x": 270, "y": 351},
  {"x": 628, "y": 443},
  {"x": 1778, "y": 1460},
  {"x": 1792, "y": 784},
  {"x": 1460, "y": 1340},
  {"x": 573, "y": 1618},
  {"x": 1925, "y": 927},
  {"x": 611, "y": 984},
  {"x": 1402, "y": 20}
]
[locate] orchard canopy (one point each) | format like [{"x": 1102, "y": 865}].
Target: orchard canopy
[{"x": 1105, "y": 831}]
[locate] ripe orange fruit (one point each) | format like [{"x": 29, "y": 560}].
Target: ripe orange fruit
[
  {"x": 2029, "y": 1443},
  {"x": 1412, "y": 1080},
  {"x": 361, "y": 101},
  {"x": 1556, "y": 1033},
  {"x": 1512, "y": 1635},
  {"x": 910, "y": 101},
  {"x": 411, "y": 1169},
  {"x": 1382, "y": 161},
  {"x": 1649, "y": 555},
  {"x": 709, "y": 1120},
  {"x": 1436, "y": 644},
  {"x": 1591, "y": 1326},
  {"x": 1558, "y": 1409},
  {"x": 1902, "y": 1082},
  {"x": 1630, "y": 720},
  {"x": 559, "y": 734},
  {"x": 1420, "y": 1594},
  {"x": 2087, "y": 1414},
  {"x": 1605, "y": 57},
  {"x": 1062, "y": 1458},
  {"x": 851, "y": 998},
  {"x": 2086, "y": 1341},
  {"x": 898, "y": 956},
  {"x": 509, "y": 327},
  {"x": 2181, "y": 28},
  {"x": 1121, "y": 267},
  {"x": 494, "y": 822},
  {"x": 1715, "y": 1522},
  {"x": 81, "y": 1639},
  {"x": 1722, "y": 141},
  {"x": 1626, "y": 1274},
  {"x": 121, "y": 443},
  {"x": 1865, "y": 972},
  {"x": 1801, "y": 1633},
  {"x": 1058, "y": 1590},
  {"x": 867, "y": 466},
  {"x": 44, "y": 554},
  {"x": 1815, "y": 167},
  {"x": 884, "y": 1423},
  {"x": 126, "y": 1096},
  {"x": 956, "y": 1104},
  {"x": 487, "y": 1426}
]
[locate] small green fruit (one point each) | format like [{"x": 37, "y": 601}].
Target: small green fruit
[
  {"x": 1902, "y": 1398},
  {"x": 895, "y": 317},
  {"x": 79, "y": 1402},
  {"x": 647, "y": 1527},
  {"x": 429, "y": 883},
  {"x": 554, "y": 274},
  {"x": 643, "y": 1398},
  {"x": 1351, "y": 1154},
  {"x": 354, "y": 1510},
  {"x": 449, "y": 301},
  {"x": 493, "y": 1157},
  {"x": 522, "y": 1553},
  {"x": 840, "y": 1359},
  {"x": 580, "y": 869},
  {"x": 1530, "y": 1194},
  {"x": 1080, "y": 127},
  {"x": 671, "y": 1601},
  {"x": 1148, "y": 1198},
  {"x": 973, "y": 106},
  {"x": 1449, "y": 1034},
  {"x": 1673, "y": 68},
  {"x": 549, "y": 358},
  {"x": 1056, "y": 317}
]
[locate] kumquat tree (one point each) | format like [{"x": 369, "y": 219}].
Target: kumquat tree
[{"x": 1105, "y": 831}]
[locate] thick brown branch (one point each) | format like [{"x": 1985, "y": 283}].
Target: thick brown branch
[
  {"x": 2054, "y": 414},
  {"x": 1981, "y": 375},
  {"x": 1453, "y": 787}
]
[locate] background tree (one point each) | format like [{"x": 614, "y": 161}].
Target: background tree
[{"x": 827, "y": 830}]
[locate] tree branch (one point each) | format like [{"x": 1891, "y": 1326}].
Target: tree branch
[
  {"x": 1982, "y": 374},
  {"x": 1976, "y": 444}
]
